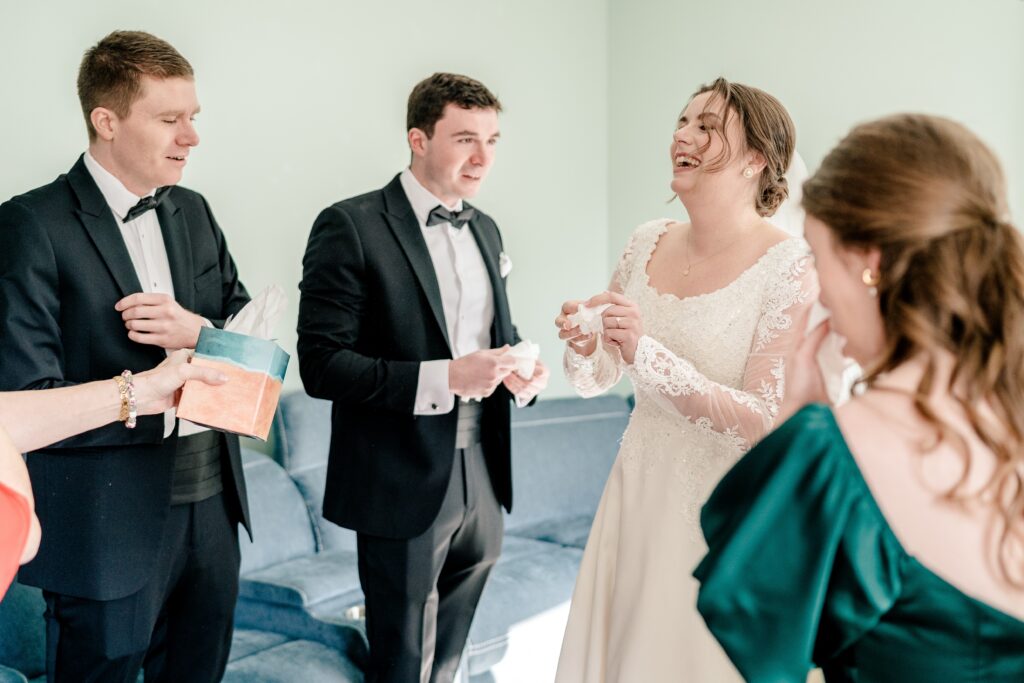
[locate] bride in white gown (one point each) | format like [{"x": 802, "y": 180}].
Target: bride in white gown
[{"x": 702, "y": 317}]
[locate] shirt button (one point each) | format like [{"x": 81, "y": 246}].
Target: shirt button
[{"x": 433, "y": 406}]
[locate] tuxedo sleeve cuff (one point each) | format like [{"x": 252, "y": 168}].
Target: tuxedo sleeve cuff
[{"x": 432, "y": 394}]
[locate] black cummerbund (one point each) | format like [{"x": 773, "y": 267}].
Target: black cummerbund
[{"x": 197, "y": 464}]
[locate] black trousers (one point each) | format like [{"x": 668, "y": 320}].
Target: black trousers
[
  {"x": 421, "y": 593},
  {"x": 178, "y": 627}
]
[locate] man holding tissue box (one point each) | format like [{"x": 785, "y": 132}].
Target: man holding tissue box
[
  {"x": 403, "y": 321},
  {"x": 113, "y": 265}
]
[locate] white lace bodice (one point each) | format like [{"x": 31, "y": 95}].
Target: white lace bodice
[{"x": 713, "y": 364}]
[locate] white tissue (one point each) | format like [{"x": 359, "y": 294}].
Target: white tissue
[
  {"x": 526, "y": 354},
  {"x": 588, "y": 319},
  {"x": 258, "y": 317},
  {"x": 838, "y": 371}
]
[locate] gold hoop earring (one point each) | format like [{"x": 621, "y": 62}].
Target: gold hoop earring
[
  {"x": 871, "y": 280},
  {"x": 748, "y": 172}
]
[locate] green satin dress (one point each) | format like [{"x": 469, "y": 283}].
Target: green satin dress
[{"x": 803, "y": 570}]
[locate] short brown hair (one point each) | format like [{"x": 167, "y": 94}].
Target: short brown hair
[
  {"x": 768, "y": 130},
  {"x": 431, "y": 95},
  {"x": 111, "y": 72},
  {"x": 931, "y": 197}
]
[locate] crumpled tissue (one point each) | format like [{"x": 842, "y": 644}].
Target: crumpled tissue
[
  {"x": 588, "y": 318},
  {"x": 839, "y": 372},
  {"x": 526, "y": 354}
]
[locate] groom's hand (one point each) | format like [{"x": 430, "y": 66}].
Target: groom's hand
[
  {"x": 478, "y": 374},
  {"x": 159, "y": 320},
  {"x": 525, "y": 389}
]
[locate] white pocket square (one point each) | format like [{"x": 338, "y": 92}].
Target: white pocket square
[{"x": 504, "y": 264}]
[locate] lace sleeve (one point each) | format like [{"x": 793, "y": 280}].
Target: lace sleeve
[
  {"x": 594, "y": 374},
  {"x": 746, "y": 414}
]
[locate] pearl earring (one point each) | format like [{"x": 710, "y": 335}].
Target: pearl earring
[
  {"x": 871, "y": 280},
  {"x": 748, "y": 172}
]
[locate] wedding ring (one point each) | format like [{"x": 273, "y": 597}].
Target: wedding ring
[{"x": 618, "y": 321}]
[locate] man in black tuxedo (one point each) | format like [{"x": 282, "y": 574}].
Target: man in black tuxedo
[
  {"x": 404, "y": 324},
  {"x": 112, "y": 266}
]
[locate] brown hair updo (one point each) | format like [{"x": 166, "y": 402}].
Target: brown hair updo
[
  {"x": 768, "y": 130},
  {"x": 931, "y": 197}
]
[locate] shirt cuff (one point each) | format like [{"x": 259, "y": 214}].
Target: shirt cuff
[{"x": 433, "y": 397}]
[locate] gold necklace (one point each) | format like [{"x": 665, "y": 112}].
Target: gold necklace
[{"x": 686, "y": 271}]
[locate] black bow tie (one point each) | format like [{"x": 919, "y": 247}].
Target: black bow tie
[
  {"x": 146, "y": 203},
  {"x": 439, "y": 214}
]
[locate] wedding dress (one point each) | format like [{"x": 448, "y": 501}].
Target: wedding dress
[{"x": 708, "y": 375}]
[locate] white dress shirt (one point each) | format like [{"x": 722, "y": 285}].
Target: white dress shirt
[
  {"x": 466, "y": 295},
  {"x": 145, "y": 243}
]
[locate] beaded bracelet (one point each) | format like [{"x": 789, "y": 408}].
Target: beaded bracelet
[
  {"x": 122, "y": 389},
  {"x": 133, "y": 408}
]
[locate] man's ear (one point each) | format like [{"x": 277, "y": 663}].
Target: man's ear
[
  {"x": 104, "y": 122},
  {"x": 418, "y": 141}
]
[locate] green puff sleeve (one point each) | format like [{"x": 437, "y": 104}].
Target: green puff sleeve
[{"x": 800, "y": 561}]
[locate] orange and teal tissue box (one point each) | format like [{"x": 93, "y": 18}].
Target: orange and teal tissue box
[{"x": 245, "y": 404}]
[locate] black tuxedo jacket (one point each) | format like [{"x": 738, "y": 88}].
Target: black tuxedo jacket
[
  {"x": 102, "y": 497},
  {"x": 370, "y": 312}
]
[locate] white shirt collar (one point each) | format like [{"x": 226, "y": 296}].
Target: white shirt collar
[
  {"x": 119, "y": 198},
  {"x": 422, "y": 200}
]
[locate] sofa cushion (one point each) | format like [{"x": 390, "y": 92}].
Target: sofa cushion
[
  {"x": 301, "y": 438},
  {"x": 524, "y": 606},
  {"x": 311, "y": 481},
  {"x": 23, "y": 630},
  {"x": 571, "y": 531},
  {"x": 281, "y": 523},
  {"x": 337, "y": 631},
  {"x": 8, "y": 675},
  {"x": 562, "y": 451},
  {"x": 298, "y": 660},
  {"x": 303, "y": 581},
  {"x": 245, "y": 642},
  {"x": 301, "y": 431}
]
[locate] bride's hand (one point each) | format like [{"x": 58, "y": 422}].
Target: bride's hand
[
  {"x": 157, "y": 390},
  {"x": 623, "y": 324},
  {"x": 804, "y": 382},
  {"x": 583, "y": 344}
]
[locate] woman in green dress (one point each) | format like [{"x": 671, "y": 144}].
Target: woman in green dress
[{"x": 884, "y": 540}]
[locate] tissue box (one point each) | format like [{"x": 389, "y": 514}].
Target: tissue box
[{"x": 246, "y": 403}]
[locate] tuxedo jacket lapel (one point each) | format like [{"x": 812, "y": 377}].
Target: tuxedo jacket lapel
[
  {"x": 101, "y": 224},
  {"x": 402, "y": 221},
  {"x": 489, "y": 250},
  {"x": 179, "y": 251}
]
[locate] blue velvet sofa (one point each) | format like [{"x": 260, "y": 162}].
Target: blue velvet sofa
[{"x": 299, "y": 615}]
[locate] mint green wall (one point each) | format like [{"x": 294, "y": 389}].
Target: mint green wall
[
  {"x": 831, "y": 63},
  {"x": 304, "y": 104}
]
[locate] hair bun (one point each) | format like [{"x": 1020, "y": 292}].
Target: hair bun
[{"x": 773, "y": 193}]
